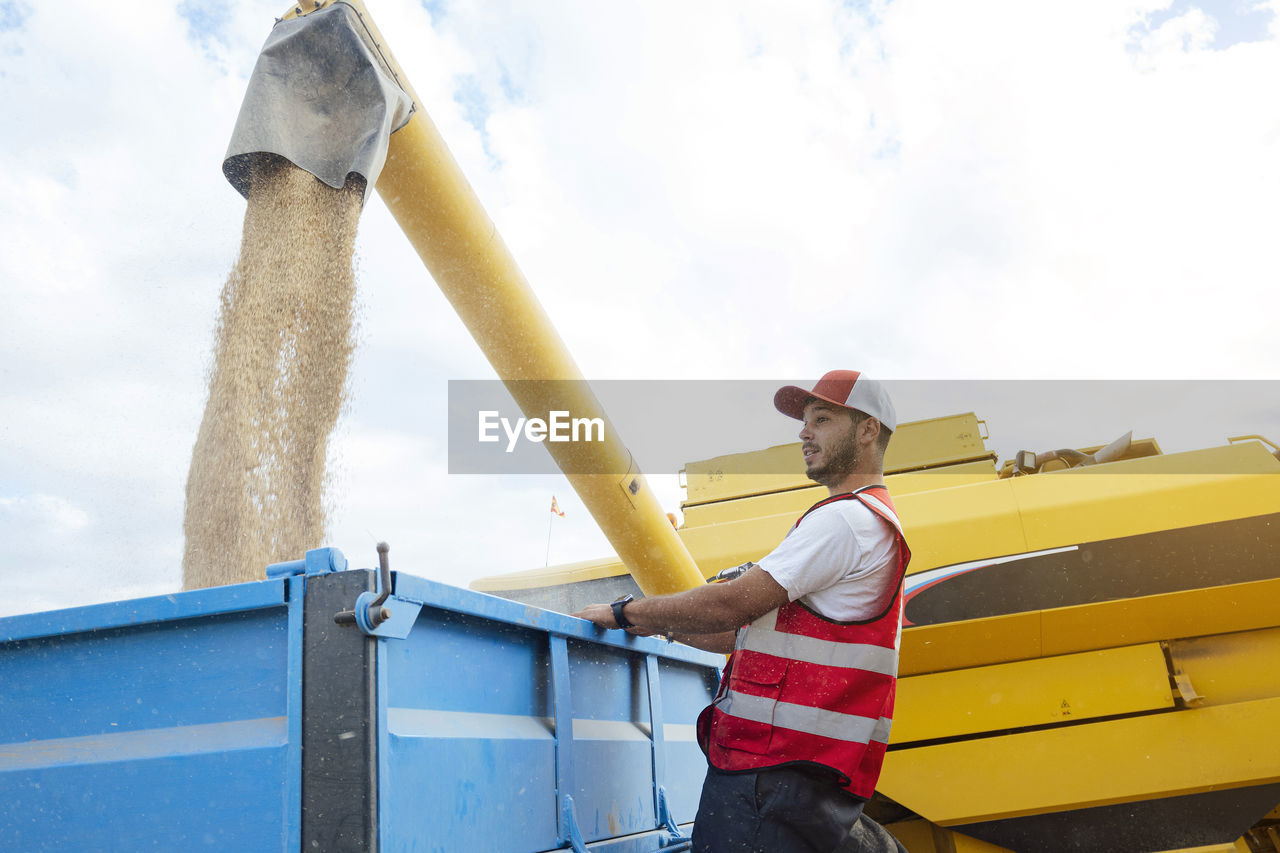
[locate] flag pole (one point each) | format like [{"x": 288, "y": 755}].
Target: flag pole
[{"x": 551, "y": 518}]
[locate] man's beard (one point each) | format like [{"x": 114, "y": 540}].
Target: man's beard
[{"x": 843, "y": 460}]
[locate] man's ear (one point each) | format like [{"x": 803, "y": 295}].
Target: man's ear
[{"x": 869, "y": 430}]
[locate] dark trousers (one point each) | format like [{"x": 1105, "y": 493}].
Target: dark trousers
[{"x": 784, "y": 810}]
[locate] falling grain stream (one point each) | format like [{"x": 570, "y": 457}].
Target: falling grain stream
[{"x": 255, "y": 490}]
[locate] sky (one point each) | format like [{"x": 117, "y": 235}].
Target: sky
[{"x": 721, "y": 190}]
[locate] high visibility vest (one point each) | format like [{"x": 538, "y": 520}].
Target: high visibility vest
[{"x": 803, "y": 689}]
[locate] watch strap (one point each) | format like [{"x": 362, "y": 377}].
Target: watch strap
[{"x": 618, "y": 615}]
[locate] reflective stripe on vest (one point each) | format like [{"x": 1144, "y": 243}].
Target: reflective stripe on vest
[
  {"x": 763, "y": 636},
  {"x": 800, "y": 687},
  {"x": 806, "y": 718}
]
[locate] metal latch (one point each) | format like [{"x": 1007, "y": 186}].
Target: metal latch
[{"x": 379, "y": 613}]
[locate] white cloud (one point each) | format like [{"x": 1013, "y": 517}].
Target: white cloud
[{"x": 44, "y": 514}]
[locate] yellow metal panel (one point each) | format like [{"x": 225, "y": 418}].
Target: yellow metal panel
[
  {"x": 738, "y": 475},
  {"x": 965, "y": 523},
  {"x": 748, "y": 509},
  {"x": 713, "y": 546},
  {"x": 729, "y": 533},
  {"x": 961, "y": 843},
  {"x": 797, "y": 500},
  {"x": 920, "y": 836},
  {"x": 916, "y": 444},
  {"x": 1144, "y": 495},
  {"x": 586, "y": 570},
  {"x": 1189, "y": 613},
  {"x": 974, "y": 517},
  {"x": 1031, "y": 693},
  {"x": 960, "y": 474},
  {"x": 720, "y": 546},
  {"x": 1230, "y": 667},
  {"x": 1097, "y": 763},
  {"x": 974, "y": 642},
  {"x": 1108, "y": 624},
  {"x": 915, "y": 835},
  {"x": 936, "y": 441}
]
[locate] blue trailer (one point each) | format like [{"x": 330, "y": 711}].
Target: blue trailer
[{"x": 289, "y": 714}]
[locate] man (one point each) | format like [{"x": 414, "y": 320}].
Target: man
[{"x": 797, "y": 733}]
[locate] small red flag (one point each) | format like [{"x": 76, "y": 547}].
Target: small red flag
[{"x": 555, "y": 507}]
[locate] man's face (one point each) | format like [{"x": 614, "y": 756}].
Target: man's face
[{"x": 827, "y": 441}]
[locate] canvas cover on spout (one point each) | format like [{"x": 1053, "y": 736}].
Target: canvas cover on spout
[{"x": 321, "y": 97}]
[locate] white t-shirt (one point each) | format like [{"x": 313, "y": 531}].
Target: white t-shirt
[{"x": 839, "y": 562}]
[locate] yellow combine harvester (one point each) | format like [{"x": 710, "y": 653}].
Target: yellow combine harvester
[
  {"x": 1092, "y": 660},
  {"x": 1091, "y": 663}
]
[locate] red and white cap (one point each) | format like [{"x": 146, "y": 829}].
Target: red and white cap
[{"x": 847, "y": 388}]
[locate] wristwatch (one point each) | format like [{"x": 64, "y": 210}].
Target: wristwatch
[{"x": 618, "y": 615}]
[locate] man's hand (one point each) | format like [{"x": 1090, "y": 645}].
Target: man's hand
[
  {"x": 712, "y": 609},
  {"x": 600, "y": 614}
]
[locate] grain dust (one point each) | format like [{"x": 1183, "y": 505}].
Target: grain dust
[{"x": 284, "y": 340}]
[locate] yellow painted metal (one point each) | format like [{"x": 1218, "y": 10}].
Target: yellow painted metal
[
  {"x": 931, "y": 443},
  {"x": 1063, "y": 689},
  {"x": 1275, "y": 448},
  {"x": 936, "y": 441},
  {"x": 990, "y": 519},
  {"x": 1096, "y": 763},
  {"x": 748, "y": 508},
  {"x": 970, "y": 643},
  {"x": 1144, "y": 495},
  {"x": 729, "y": 533},
  {"x": 736, "y": 475},
  {"x": 956, "y": 525},
  {"x": 1230, "y": 668},
  {"x": 1173, "y": 615},
  {"x": 949, "y": 477},
  {"x": 719, "y": 546},
  {"x": 1084, "y": 627},
  {"x": 565, "y": 573},
  {"x": 439, "y": 212},
  {"x": 920, "y": 836},
  {"x": 961, "y": 843},
  {"x": 915, "y": 835},
  {"x": 960, "y": 512}
]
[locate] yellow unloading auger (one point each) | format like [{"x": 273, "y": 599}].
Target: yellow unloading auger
[{"x": 328, "y": 95}]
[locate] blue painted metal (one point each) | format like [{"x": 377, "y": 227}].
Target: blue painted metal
[
  {"x": 142, "y": 611},
  {"x": 465, "y": 601},
  {"x": 160, "y": 723},
  {"x": 562, "y": 710},
  {"x": 542, "y": 710},
  {"x": 318, "y": 561},
  {"x": 657, "y": 737},
  {"x": 295, "y": 589},
  {"x": 176, "y": 721}
]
